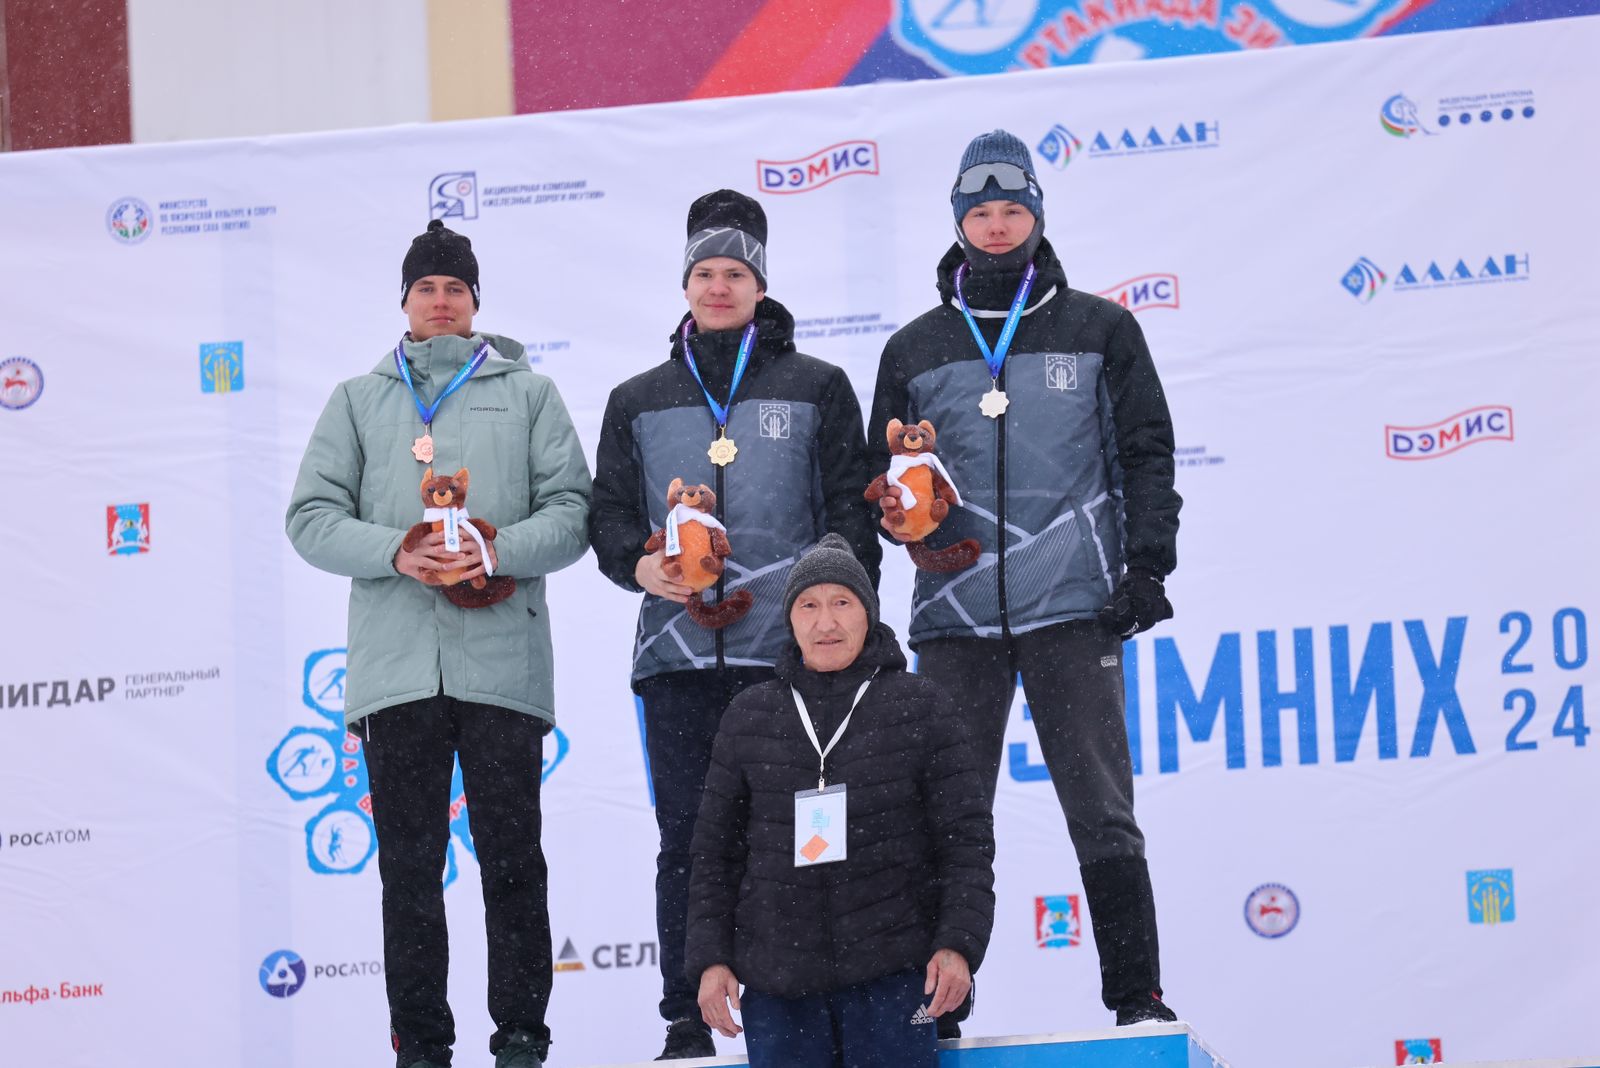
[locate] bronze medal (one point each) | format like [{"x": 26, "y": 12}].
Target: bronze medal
[{"x": 422, "y": 448}]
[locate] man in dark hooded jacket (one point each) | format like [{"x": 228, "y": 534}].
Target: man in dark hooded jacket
[
  {"x": 853, "y": 912},
  {"x": 777, "y": 436},
  {"x": 1053, "y": 424}
]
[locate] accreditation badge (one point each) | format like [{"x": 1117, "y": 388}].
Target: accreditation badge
[{"x": 819, "y": 826}]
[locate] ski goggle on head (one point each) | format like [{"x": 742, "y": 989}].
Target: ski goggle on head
[{"x": 1007, "y": 176}]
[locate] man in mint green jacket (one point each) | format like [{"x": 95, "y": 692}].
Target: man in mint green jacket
[{"x": 427, "y": 680}]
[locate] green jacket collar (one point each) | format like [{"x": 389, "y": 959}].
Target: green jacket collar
[{"x": 434, "y": 361}]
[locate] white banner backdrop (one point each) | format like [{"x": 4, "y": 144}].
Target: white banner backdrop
[{"x": 1367, "y": 274}]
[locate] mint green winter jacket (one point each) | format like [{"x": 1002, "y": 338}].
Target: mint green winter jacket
[{"x": 359, "y": 491}]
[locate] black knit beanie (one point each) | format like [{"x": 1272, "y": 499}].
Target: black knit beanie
[
  {"x": 439, "y": 251},
  {"x": 830, "y": 560},
  {"x": 727, "y": 223}
]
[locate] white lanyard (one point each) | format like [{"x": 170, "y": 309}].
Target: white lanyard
[{"x": 811, "y": 732}]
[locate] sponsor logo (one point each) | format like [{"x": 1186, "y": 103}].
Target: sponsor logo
[
  {"x": 282, "y": 973},
  {"x": 1057, "y": 923},
  {"x": 607, "y": 956},
  {"x": 1061, "y": 370},
  {"x": 129, "y": 220},
  {"x": 818, "y": 169},
  {"x": 1507, "y": 268},
  {"x": 221, "y": 366},
  {"x": 453, "y": 195},
  {"x": 326, "y": 764},
  {"x": 1491, "y": 898},
  {"x": 775, "y": 417},
  {"x": 31, "y": 839},
  {"x": 1195, "y": 456},
  {"x": 1399, "y": 117},
  {"x": 60, "y": 992},
  {"x": 1129, "y": 141},
  {"x": 921, "y": 1016},
  {"x": 1488, "y": 423},
  {"x": 1363, "y": 280},
  {"x": 127, "y": 529},
  {"x": 1059, "y": 147},
  {"x": 1272, "y": 910},
  {"x": 461, "y": 195},
  {"x": 568, "y": 960},
  {"x": 1418, "y": 1051},
  {"x": 1145, "y": 292},
  {"x": 21, "y": 382}
]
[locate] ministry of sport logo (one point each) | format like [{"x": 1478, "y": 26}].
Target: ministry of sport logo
[
  {"x": 1272, "y": 910},
  {"x": 129, "y": 220},
  {"x": 453, "y": 195},
  {"x": 1401, "y": 117},
  {"x": 775, "y": 418},
  {"x": 1490, "y": 422},
  {"x": 818, "y": 169},
  {"x": 282, "y": 973},
  {"x": 1057, "y": 923},
  {"x": 326, "y": 764},
  {"x": 21, "y": 382}
]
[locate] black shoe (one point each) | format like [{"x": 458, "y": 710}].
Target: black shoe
[
  {"x": 687, "y": 1038},
  {"x": 1144, "y": 1008}
]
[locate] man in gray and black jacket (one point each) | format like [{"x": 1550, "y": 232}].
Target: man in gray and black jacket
[
  {"x": 777, "y": 436},
  {"x": 1054, "y": 425}
]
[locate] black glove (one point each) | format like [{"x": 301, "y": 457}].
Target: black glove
[{"x": 1138, "y": 603}]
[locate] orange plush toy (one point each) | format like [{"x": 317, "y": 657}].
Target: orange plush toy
[
  {"x": 926, "y": 494},
  {"x": 444, "y": 507},
  {"x": 696, "y": 544}
]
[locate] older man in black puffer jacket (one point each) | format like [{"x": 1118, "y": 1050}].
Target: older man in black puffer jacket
[{"x": 849, "y": 945}]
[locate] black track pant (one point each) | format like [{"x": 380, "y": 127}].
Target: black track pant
[
  {"x": 1072, "y": 677},
  {"x": 682, "y": 710},
  {"x": 410, "y": 750}
]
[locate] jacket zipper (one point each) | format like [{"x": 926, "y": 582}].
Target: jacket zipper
[
  {"x": 1000, "y": 505},
  {"x": 722, "y": 517}
]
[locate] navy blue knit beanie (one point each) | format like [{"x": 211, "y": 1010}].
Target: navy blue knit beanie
[{"x": 997, "y": 146}]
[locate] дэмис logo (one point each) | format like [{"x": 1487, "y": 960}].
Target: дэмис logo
[{"x": 818, "y": 169}]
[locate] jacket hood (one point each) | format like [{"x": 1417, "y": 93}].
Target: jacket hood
[
  {"x": 435, "y": 360},
  {"x": 995, "y": 290},
  {"x": 774, "y": 330}
]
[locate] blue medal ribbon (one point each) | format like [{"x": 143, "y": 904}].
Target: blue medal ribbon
[
  {"x": 997, "y": 358},
  {"x": 746, "y": 344},
  {"x": 428, "y": 411}
]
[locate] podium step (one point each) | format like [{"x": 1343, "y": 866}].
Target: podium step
[{"x": 1144, "y": 1046}]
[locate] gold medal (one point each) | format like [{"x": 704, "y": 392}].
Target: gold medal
[
  {"x": 723, "y": 450},
  {"x": 422, "y": 448},
  {"x": 994, "y": 403}
]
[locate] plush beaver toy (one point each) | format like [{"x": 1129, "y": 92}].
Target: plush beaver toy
[
  {"x": 926, "y": 494},
  {"x": 696, "y": 544},
  {"x": 444, "y": 505}
]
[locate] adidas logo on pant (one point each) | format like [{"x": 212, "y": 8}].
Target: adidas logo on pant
[{"x": 921, "y": 1016}]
